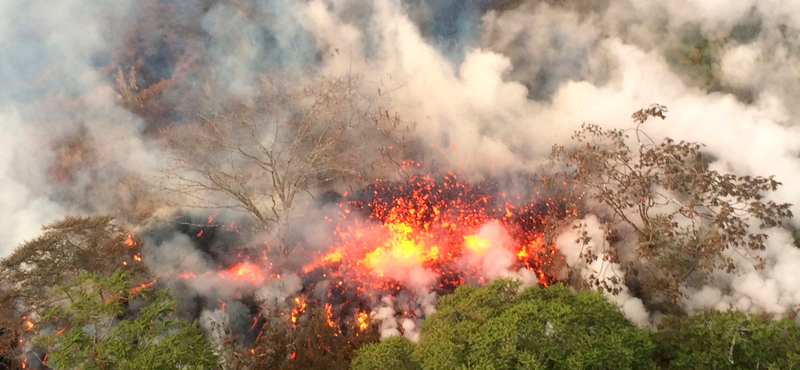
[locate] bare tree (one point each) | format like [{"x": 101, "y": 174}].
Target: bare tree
[
  {"x": 259, "y": 157},
  {"x": 689, "y": 220}
]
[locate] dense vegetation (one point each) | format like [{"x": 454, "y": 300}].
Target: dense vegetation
[{"x": 501, "y": 326}]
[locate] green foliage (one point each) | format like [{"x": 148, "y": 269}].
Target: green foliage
[
  {"x": 728, "y": 340},
  {"x": 95, "y": 337},
  {"x": 394, "y": 353},
  {"x": 501, "y": 326}
]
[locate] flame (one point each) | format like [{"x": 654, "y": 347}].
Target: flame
[
  {"x": 28, "y": 325},
  {"x": 476, "y": 244},
  {"x": 329, "y": 315},
  {"x": 142, "y": 286},
  {"x": 332, "y": 257},
  {"x": 301, "y": 307},
  {"x": 362, "y": 321},
  {"x": 245, "y": 271},
  {"x": 129, "y": 241},
  {"x": 401, "y": 250}
]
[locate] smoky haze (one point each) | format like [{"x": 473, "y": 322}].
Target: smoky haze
[{"x": 487, "y": 86}]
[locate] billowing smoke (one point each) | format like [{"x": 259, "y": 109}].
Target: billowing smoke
[{"x": 486, "y": 88}]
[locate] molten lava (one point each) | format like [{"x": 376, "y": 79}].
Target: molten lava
[
  {"x": 406, "y": 241},
  {"x": 246, "y": 271},
  {"x": 441, "y": 226}
]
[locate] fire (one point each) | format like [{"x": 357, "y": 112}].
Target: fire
[
  {"x": 362, "y": 321},
  {"x": 246, "y": 271},
  {"x": 476, "y": 244},
  {"x": 329, "y": 315},
  {"x": 332, "y": 257},
  {"x": 408, "y": 239},
  {"x": 401, "y": 250},
  {"x": 28, "y": 325},
  {"x": 129, "y": 241},
  {"x": 301, "y": 307},
  {"x": 142, "y": 286},
  {"x": 432, "y": 224}
]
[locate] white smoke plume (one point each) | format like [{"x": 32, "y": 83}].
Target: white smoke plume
[
  {"x": 489, "y": 91},
  {"x": 67, "y": 145},
  {"x": 569, "y": 245}
]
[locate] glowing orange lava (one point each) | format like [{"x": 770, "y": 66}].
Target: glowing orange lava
[
  {"x": 431, "y": 224},
  {"x": 246, "y": 271},
  {"x": 301, "y": 307},
  {"x": 400, "y": 251},
  {"x": 407, "y": 239},
  {"x": 362, "y": 321}
]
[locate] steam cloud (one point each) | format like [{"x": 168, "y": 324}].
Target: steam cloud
[{"x": 493, "y": 83}]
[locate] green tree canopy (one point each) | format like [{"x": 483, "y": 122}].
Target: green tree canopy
[
  {"x": 394, "y": 353},
  {"x": 94, "y": 337},
  {"x": 728, "y": 340},
  {"x": 502, "y": 326}
]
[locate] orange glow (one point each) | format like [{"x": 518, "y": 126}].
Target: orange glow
[
  {"x": 332, "y": 257},
  {"x": 129, "y": 241},
  {"x": 476, "y": 245},
  {"x": 401, "y": 250},
  {"x": 246, "y": 271},
  {"x": 431, "y": 224},
  {"x": 301, "y": 307},
  {"x": 28, "y": 325},
  {"x": 362, "y": 321},
  {"x": 142, "y": 286},
  {"x": 137, "y": 258},
  {"x": 328, "y": 315}
]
